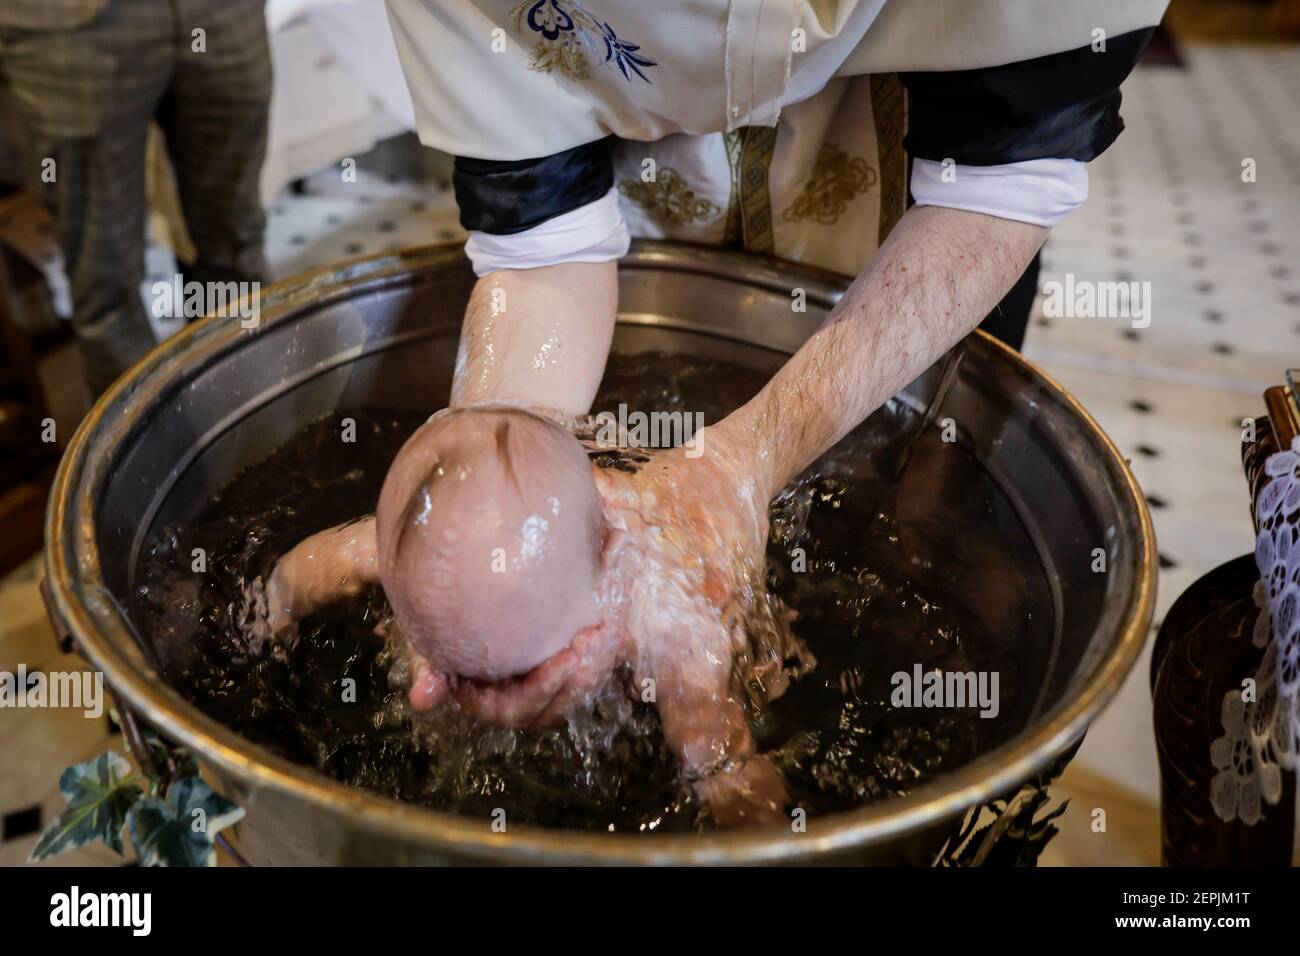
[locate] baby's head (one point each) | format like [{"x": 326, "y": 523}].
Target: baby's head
[{"x": 490, "y": 535}]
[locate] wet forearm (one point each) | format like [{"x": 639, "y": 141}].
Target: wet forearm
[
  {"x": 940, "y": 272},
  {"x": 537, "y": 337}
]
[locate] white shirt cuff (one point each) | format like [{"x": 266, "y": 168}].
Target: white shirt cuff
[
  {"x": 1037, "y": 191},
  {"x": 595, "y": 232}
]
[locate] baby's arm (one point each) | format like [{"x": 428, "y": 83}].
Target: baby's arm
[
  {"x": 330, "y": 566},
  {"x": 704, "y": 722}
]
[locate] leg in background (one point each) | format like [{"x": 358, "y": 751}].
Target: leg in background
[
  {"x": 215, "y": 120},
  {"x": 84, "y": 98}
]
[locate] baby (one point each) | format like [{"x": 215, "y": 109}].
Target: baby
[{"x": 521, "y": 577}]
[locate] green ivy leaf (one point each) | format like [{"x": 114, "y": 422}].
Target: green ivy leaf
[
  {"x": 164, "y": 751},
  {"x": 179, "y": 831},
  {"x": 100, "y": 793}
]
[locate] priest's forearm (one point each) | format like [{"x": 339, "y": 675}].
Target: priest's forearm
[
  {"x": 537, "y": 337},
  {"x": 936, "y": 277}
]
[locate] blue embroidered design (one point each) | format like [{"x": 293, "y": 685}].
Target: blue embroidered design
[
  {"x": 624, "y": 54},
  {"x": 548, "y": 18},
  {"x": 568, "y": 32}
]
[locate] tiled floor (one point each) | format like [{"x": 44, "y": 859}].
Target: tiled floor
[
  {"x": 1169, "y": 207},
  {"x": 380, "y": 212},
  {"x": 37, "y": 744}
]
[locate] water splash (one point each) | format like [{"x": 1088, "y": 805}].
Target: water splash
[{"x": 887, "y": 578}]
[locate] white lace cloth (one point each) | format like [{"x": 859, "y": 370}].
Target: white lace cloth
[{"x": 1261, "y": 730}]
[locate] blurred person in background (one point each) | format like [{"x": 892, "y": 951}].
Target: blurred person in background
[{"x": 85, "y": 78}]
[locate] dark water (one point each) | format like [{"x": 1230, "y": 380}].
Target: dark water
[{"x": 884, "y": 574}]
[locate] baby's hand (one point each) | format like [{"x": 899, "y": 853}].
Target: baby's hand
[
  {"x": 330, "y": 566},
  {"x": 540, "y": 699},
  {"x": 705, "y": 721},
  {"x": 750, "y": 794}
]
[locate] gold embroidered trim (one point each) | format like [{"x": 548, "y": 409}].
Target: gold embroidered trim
[
  {"x": 759, "y": 145},
  {"x": 669, "y": 200},
  {"x": 835, "y": 180},
  {"x": 565, "y": 57},
  {"x": 889, "y": 114},
  {"x": 733, "y": 234}
]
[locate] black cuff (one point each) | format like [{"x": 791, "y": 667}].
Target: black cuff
[
  {"x": 503, "y": 198},
  {"x": 1060, "y": 106}
]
